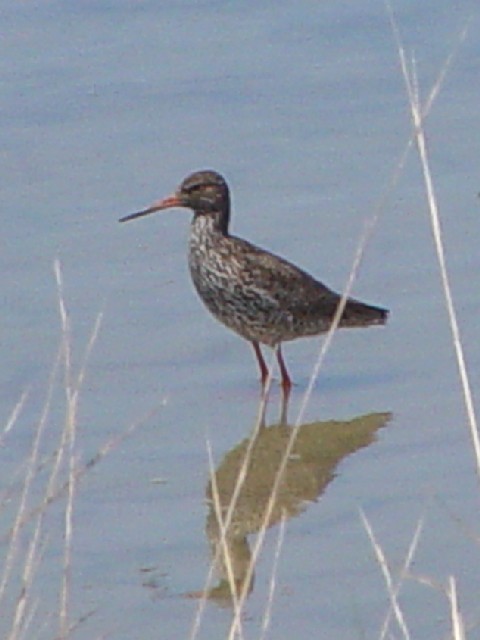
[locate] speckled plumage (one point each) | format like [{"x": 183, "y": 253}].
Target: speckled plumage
[{"x": 257, "y": 294}]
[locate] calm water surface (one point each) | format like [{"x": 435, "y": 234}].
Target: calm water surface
[{"x": 106, "y": 106}]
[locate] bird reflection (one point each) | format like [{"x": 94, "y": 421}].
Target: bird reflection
[{"x": 312, "y": 460}]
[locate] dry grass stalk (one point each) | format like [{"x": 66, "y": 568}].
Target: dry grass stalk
[
  {"x": 225, "y": 521},
  {"x": 458, "y": 627},
  {"x": 418, "y": 118},
  {"x": 25, "y": 609},
  {"x": 392, "y": 588}
]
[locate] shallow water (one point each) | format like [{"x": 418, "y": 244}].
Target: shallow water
[{"x": 106, "y": 107}]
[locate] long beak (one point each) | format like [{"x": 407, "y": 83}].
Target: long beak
[{"x": 166, "y": 203}]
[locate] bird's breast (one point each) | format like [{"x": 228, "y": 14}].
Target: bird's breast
[{"x": 209, "y": 264}]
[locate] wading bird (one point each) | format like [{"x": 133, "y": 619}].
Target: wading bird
[{"x": 262, "y": 297}]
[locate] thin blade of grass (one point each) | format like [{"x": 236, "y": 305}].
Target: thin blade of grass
[
  {"x": 226, "y": 521},
  {"x": 458, "y": 627},
  {"x": 72, "y": 391},
  {"x": 267, "y": 614},
  {"x": 383, "y": 564},
  {"x": 13, "y": 534},
  {"x": 16, "y": 411},
  {"x": 419, "y": 132},
  {"x": 403, "y": 573}
]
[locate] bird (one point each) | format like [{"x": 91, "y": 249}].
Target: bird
[{"x": 264, "y": 298}]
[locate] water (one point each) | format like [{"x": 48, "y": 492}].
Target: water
[{"x": 106, "y": 107}]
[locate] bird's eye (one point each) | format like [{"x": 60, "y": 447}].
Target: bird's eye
[
  {"x": 194, "y": 188},
  {"x": 199, "y": 189}
]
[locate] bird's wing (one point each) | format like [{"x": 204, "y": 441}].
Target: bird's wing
[{"x": 278, "y": 280}]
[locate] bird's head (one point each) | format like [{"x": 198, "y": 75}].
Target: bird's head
[{"x": 203, "y": 191}]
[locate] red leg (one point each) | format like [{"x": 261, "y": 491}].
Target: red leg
[
  {"x": 286, "y": 382},
  {"x": 261, "y": 363}
]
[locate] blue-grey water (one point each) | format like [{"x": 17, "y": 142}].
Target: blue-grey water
[{"x": 105, "y": 107}]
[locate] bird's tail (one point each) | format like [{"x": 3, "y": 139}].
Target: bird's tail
[{"x": 359, "y": 314}]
